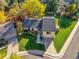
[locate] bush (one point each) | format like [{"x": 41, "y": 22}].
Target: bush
[
  {"x": 70, "y": 10},
  {"x": 65, "y": 22}
]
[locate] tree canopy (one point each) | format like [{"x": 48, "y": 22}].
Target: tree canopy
[
  {"x": 34, "y": 8},
  {"x": 52, "y": 5}
]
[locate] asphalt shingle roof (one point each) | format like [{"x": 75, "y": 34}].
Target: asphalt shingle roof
[
  {"x": 31, "y": 23},
  {"x": 48, "y": 24}
]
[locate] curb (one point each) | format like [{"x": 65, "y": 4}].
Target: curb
[{"x": 64, "y": 48}]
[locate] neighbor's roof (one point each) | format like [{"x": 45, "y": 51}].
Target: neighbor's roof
[{"x": 48, "y": 24}]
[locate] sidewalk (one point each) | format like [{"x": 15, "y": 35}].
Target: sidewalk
[
  {"x": 50, "y": 54},
  {"x": 51, "y": 49},
  {"x": 13, "y": 46},
  {"x": 31, "y": 54}
]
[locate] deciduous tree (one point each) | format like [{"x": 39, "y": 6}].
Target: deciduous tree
[{"x": 34, "y": 8}]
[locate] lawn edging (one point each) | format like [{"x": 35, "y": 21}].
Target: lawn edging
[
  {"x": 64, "y": 48},
  {"x": 30, "y": 52}
]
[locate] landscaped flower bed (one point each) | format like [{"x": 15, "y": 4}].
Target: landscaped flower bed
[
  {"x": 28, "y": 42},
  {"x": 63, "y": 33}
]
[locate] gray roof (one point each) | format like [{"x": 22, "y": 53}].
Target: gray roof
[
  {"x": 48, "y": 24},
  {"x": 31, "y": 23}
]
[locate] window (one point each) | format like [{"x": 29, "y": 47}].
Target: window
[{"x": 48, "y": 32}]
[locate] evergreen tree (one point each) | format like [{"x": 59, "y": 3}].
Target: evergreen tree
[{"x": 52, "y": 5}]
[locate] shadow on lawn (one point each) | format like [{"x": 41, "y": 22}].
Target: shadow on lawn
[
  {"x": 31, "y": 43},
  {"x": 65, "y": 22}
]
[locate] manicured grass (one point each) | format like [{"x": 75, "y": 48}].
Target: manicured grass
[
  {"x": 3, "y": 53},
  {"x": 57, "y": 22},
  {"x": 28, "y": 42},
  {"x": 63, "y": 34}
]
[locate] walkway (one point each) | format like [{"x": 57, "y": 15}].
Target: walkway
[{"x": 73, "y": 48}]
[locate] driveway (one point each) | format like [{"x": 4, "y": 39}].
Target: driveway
[{"x": 73, "y": 48}]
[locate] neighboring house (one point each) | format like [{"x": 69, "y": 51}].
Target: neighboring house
[
  {"x": 65, "y": 3},
  {"x": 43, "y": 1},
  {"x": 44, "y": 27}
]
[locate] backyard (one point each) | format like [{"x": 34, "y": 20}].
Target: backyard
[
  {"x": 66, "y": 26},
  {"x": 28, "y": 42}
]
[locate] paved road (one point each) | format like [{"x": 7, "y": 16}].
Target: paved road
[{"x": 73, "y": 48}]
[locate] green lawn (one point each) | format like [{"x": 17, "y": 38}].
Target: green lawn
[
  {"x": 65, "y": 30},
  {"x": 3, "y": 53},
  {"x": 28, "y": 42},
  {"x": 57, "y": 22}
]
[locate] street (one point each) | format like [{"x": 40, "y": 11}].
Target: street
[{"x": 73, "y": 48}]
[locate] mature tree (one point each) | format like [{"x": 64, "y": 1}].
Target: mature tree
[
  {"x": 52, "y": 5},
  {"x": 34, "y": 8},
  {"x": 71, "y": 9},
  {"x": 3, "y": 18},
  {"x": 17, "y": 16}
]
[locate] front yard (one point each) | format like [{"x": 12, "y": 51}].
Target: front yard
[
  {"x": 67, "y": 26},
  {"x": 3, "y": 53},
  {"x": 28, "y": 42}
]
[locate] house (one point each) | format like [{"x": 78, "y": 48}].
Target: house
[
  {"x": 67, "y": 2},
  {"x": 43, "y": 1},
  {"x": 44, "y": 27},
  {"x": 48, "y": 27}
]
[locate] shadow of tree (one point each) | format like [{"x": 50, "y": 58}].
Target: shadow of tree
[
  {"x": 31, "y": 43},
  {"x": 65, "y": 22}
]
